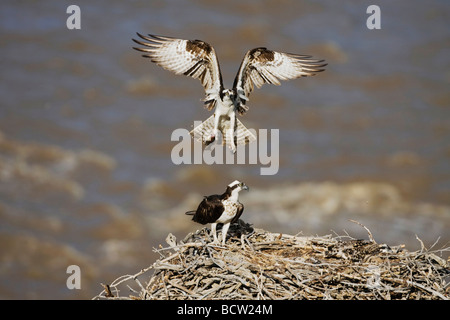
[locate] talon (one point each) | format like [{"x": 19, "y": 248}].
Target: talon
[{"x": 210, "y": 140}]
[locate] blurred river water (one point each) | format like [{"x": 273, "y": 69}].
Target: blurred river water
[{"x": 86, "y": 176}]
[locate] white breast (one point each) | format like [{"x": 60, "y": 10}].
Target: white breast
[
  {"x": 229, "y": 212},
  {"x": 225, "y": 107}
]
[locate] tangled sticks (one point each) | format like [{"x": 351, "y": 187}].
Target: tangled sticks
[{"x": 257, "y": 264}]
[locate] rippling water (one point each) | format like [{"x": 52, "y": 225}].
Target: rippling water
[{"x": 86, "y": 176}]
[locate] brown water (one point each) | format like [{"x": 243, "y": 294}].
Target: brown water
[{"x": 86, "y": 176}]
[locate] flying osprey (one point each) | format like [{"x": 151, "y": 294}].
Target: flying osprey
[
  {"x": 198, "y": 59},
  {"x": 224, "y": 208}
]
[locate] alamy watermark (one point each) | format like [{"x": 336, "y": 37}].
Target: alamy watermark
[
  {"x": 74, "y": 280},
  {"x": 74, "y": 20},
  {"x": 374, "y": 20},
  {"x": 264, "y": 151}
]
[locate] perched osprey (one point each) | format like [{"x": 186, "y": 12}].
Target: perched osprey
[
  {"x": 198, "y": 59},
  {"x": 224, "y": 208}
]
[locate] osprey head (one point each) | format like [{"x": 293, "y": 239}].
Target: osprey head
[
  {"x": 237, "y": 185},
  {"x": 226, "y": 93},
  {"x": 233, "y": 189}
]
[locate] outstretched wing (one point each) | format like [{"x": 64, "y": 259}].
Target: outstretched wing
[
  {"x": 261, "y": 65},
  {"x": 194, "y": 58}
]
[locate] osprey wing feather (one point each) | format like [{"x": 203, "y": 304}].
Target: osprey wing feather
[
  {"x": 261, "y": 65},
  {"x": 194, "y": 58}
]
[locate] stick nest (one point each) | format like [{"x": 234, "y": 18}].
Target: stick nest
[{"x": 257, "y": 264}]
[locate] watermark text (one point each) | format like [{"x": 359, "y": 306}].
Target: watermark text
[{"x": 264, "y": 151}]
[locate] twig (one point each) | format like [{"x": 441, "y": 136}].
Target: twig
[{"x": 368, "y": 231}]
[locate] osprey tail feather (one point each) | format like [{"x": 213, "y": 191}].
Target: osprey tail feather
[{"x": 241, "y": 134}]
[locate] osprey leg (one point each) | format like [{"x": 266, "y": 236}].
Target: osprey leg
[
  {"x": 213, "y": 232},
  {"x": 230, "y": 133},
  {"x": 224, "y": 232},
  {"x": 216, "y": 127}
]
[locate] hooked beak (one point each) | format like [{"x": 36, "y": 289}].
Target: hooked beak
[{"x": 245, "y": 187}]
